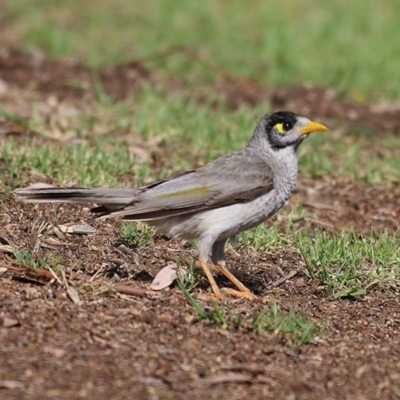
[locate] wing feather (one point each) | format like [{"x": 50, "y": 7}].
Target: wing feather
[{"x": 238, "y": 177}]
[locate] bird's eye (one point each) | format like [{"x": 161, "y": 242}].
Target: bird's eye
[
  {"x": 283, "y": 127},
  {"x": 287, "y": 126}
]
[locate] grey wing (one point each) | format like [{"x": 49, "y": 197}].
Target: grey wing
[{"x": 237, "y": 177}]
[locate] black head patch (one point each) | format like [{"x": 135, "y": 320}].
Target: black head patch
[
  {"x": 277, "y": 126},
  {"x": 286, "y": 118}
]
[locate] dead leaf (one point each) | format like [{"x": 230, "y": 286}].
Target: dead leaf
[
  {"x": 57, "y": 352},
  {"x": 9, "y": 322},
  {"x": 3, "y": 87},
  {"x": 8, "y": 384},
  {"x": 73, "y": 295},
  {"x": 77, "y": 229},
  {"x": 167, "y": 275},
  {"x": 52, "y": 243}
]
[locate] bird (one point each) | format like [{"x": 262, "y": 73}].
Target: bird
[{"x": 210, "y": 204}]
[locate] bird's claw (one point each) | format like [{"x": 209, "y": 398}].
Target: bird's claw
[{"x": 245, "y": 294}]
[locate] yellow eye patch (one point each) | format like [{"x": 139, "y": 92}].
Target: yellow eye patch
[{"x": 279, "y": 127}]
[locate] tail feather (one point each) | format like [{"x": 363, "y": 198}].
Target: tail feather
[{"x": 111, "y": 199}]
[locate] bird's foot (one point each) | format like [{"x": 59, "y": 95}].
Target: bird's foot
[
  {"x": 243, "y": 291},
  {"x": 217, "y": 295},
  {"x": 245, "y": 294}
]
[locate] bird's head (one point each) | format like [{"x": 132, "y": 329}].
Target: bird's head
[{"x": 283, "y": 129}]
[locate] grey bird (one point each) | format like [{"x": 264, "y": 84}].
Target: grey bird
[{"x": 212, "y": 203}]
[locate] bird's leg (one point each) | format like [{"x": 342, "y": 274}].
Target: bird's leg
[
  {"x": 214, "y": 286},
  {"x": 243, "y": 290},
  {"x": 218, "y": 258}
]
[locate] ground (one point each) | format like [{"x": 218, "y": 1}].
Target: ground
[{"x": 112, "y": 337}]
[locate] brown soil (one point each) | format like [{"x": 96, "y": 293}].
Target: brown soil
[{"x": 121, "y": 342}]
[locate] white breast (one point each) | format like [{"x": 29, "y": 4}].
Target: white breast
[{"x": 224, "y": 222}]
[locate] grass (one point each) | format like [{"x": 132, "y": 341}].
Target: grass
[
  {"x": 135, "y": 235},
  {"x": 351, "y": 264},
  {"x": 345, "y": 46},
  {"x": 262, "y": 43},
  {"x": 298, "y": 329},
  {"x": 179, "y": 126},
  {"x": 87, "y": 165},
  {"x": 346, "y": 263},
  {"x": 263, "y": 237},
  {"x": 27, "y": 258},
  {"x": 361, "y": 156}
]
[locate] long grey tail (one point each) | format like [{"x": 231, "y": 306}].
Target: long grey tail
[{"x": 111, "y": 199}]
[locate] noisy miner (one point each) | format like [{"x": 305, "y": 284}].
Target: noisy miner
[{"x": 212, "y": 203}]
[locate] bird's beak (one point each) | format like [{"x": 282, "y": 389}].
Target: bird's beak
[{"x": 312, "y": 127}]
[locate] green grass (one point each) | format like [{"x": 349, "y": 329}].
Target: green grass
[
  {"x": 86, "y": 165},
  {"x": 348, "y": 46},
  {"x": 265, "y": 237},
  {"x": 346, "y": 263},
  {"x": 27, "y": 258},
  {"x": 337, "y": 44},
  {"x": 191, "y": 278},
  {"x": 135, "y": 235},
  {"x": 296, "y": 328},
  {"x": 173, "y": 124},
  {"x": 350, "y": 264},
  {"x": 179, "y": 126},
  {"x": 359, "y": 155}
]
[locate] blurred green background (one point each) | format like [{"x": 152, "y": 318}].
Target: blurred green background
[{"x": 353, "y": 47}]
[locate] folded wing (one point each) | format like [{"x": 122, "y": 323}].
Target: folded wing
[{"x": 228, "y": 180}]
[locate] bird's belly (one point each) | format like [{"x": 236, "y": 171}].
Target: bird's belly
[{"x": 223, "y": 222}]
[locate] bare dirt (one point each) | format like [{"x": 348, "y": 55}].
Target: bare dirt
[{"x": 113, "y": 338}]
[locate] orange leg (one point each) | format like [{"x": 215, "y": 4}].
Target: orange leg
[
  {"x": 243, "y": 290},
  {"x": 214, "y": 286}
]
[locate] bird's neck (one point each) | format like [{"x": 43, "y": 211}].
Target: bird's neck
[{"x": 285, "y": 166}]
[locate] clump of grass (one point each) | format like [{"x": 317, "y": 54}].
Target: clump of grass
[
  {"x": 135, "y": 234},
  {"x": 264, "y": 236},
  {"x": 191, "y": 278},
  {"x": 96, "y": 165},
  {"x": 217, "y": 315},
  {"x": 351, "y": 264},
  {"x": 27, "y": 258},
  {"x": 297, "y": 328},
  {"x": 372, "y": 160}
]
